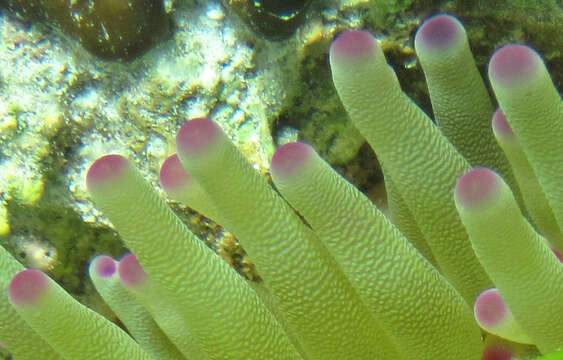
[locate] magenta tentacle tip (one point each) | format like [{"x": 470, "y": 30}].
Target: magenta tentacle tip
[
  {"x": 513, "y": 64},
  {"x": 104, "y": 266},
  {"x": 475, "y": 188},
  {"x": 290, "y": 158},
  {"x": 557, "y": 254},
  {"x": 172, "y": 173},
  {"x": 130, "y": 271},
  {"x": 196, "y": 135},
  {"x": 438, "y": 32},
  {"x": 353, "y": 45},
  {"x": 497, "y": 352},
  {"x": 27, "y": 287},
  {"x": 490, "y": 309},
  {"x": 501, "y": 125},
  {"x": 104, "y": 169}
]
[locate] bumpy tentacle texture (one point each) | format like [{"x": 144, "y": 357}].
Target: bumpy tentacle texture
[
  {"x": 320, "y": 304},
  {"x": 193, "y": 280},
  {"x": 443, "y": 50},
  {"x": 533, "y": 195},
  {"x": 424, "y": 175},
  {"x": 422, "y": 164},
  {"x": 383, "y": 266},
  {"x": 15, "y": 334},
  {"x": 138, "y": 320},
  {"x": 340, "y": 280},
  {"x": 179, "y": 185},
  {"x": 54, "y": 314},
  {"x": 534, "y": 110},
  {"x": 149, "y": 294},
  {"x": 526, "y": 272}
]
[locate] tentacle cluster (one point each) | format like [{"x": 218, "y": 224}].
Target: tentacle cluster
[{"x": 341, "y": 279}]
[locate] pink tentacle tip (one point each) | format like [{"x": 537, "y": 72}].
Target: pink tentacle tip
[
  {"x": 557, "y": 254},
  {"x": 27, "y": 287},
  {"x": 500, "y": 124},
  {"x": 105, "y": 168},
  {"x": 476, "y": 187},
  {"x": 172, "y": 173},
  {"x": 513, "y": 64},
  {"x": 130, "y": 271},
  {"x": 352, "y": 45},
  {"x": 490, "y": 309},
  {"x": 196, "y": 135},
  {"x": 290, "y": 158},
  {"x": 438, "y": 32},
  {"x": 497, "y": 352},
  {"x": 104, "y": 266}
]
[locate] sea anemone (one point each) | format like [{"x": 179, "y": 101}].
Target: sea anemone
[{"x": 341, "y": 280}]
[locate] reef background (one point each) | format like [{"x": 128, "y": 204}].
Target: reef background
[{"x": 263, "y": 76}]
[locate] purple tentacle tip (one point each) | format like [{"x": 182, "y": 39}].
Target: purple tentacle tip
[
  {"x": 172, "y": 173},
  {"x": 105, "y": 168},
  {"x": 513, "y": 64},
  {"x": 476, "y": 187},
  {"x": 130, "y": 271},
  {"x": 558, "y": 254},
  {"x": 196, "y": 135},
  {"x": 438, "y": 32},
  {"x": 104, "y": 266},
  {"x": 497, "y": 352},
  {"x": 353, "y": 45},
  {"x": 290, "y": 158},
  {"x": 27, "y": 287},
  {"x": 501, "y": 125},
  {"x": 490, "y": 308}
]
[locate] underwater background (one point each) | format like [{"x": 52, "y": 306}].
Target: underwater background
[{"x": 77, "y": 84}]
